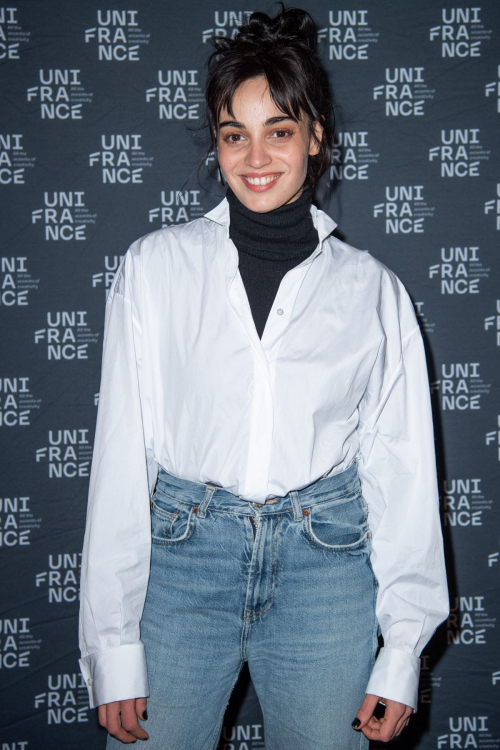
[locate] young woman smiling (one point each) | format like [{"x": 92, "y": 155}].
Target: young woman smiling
[{"x": 263, "y": 487}]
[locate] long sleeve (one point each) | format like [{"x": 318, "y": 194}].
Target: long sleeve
[
  {"x": 397, "y": 468},
  {"x": 117, "y": 540}
]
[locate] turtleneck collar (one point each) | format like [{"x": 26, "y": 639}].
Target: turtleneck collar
[{"x": 286, "y": 232}]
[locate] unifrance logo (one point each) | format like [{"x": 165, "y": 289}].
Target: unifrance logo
[
  {"x": 64, "y": 215},
  {"x": 461, "y": 387},
  {"x": 404, "y": 209},
  {"x": 242, "y": 737},
  {"x": 493, "y": 559},
  {"x": 62, "y": 578},
  {"x": 428, "y": 681},
  {"x": 404, "y": 92},
  {"x": 460, "y": 270},
  {"x": 17, "y": 521},
  {"x": 460, "y": 153},
  {"x": 352, "y": 156},
  {"x": 65, "y": 700},
  {"x": 178, "y": 94},
  {"x": 16, "y": 643},
  {"x": 468, "y": 621},
  {"x": 177, "y": 207},
  {"x": 12, "y": 34},
  {"x": 349, "y": 35},
  {"x": 118, "y": 35},
  {"x": 67, "y": 335},
  {"x": 493, "y": 437},
  {"x": 425, "y": 324},
  {"x": 15, "y": 281},
  {"x": 14, "y": 160},
  {"x": 461, "y": 32},
  {"x": 492, "y": 323},
  {"x": 60, "y": 93},
  {"x": 67, "y": 455},
  {"x": 104, "y": 279},
  {"x": 226, "y": 23},
  {"x": 16, "y": 402},
  {"x": 468, "y": 732},
  {"x": 121, "y": 159},
  {"x": 494, "y": 89},
  {"x": 463, "y": 503},
  {"x": 493, "y": 206}
]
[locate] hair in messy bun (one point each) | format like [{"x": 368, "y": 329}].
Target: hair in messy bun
[{"x": 283, "y": 50}]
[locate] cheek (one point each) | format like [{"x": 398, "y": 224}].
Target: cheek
[
  {"x": 298, "y": 159},
  {"x": 227, "y": 158}
]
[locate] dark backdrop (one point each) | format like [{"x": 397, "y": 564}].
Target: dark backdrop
[{"x": 100, "y": 131}]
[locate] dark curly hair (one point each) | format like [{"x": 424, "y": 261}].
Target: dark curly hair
[{"x": 283, "y": 50}]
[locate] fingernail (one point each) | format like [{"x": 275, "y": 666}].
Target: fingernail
[
  {"x": 145, "y": 716},
  {"x": 355, "y": 724}
]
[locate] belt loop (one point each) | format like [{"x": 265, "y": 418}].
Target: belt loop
[
  {"x": 294, "y": 495},
  {"x": 210, "y": 489}
]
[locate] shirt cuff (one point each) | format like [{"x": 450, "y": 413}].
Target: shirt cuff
[
  {"x": 115, "y": 675},
  {"x": 395, "y": 676}
]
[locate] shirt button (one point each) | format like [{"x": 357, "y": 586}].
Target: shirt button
[
  {"x": 279, "y": 311},
  {"x": 89, "y": 681}
]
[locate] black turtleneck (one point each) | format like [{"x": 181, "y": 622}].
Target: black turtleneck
[{"x": 269, "y": 245}]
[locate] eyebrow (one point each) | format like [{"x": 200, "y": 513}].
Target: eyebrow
[{"x": 270, "y": 121}]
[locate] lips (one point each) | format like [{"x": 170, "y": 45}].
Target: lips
[{"x": 260, "y": 183}]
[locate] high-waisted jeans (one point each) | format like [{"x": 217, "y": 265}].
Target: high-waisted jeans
[{"x": 286, "y": 586}]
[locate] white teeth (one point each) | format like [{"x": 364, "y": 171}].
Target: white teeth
[{"x": 261, "y": 180}]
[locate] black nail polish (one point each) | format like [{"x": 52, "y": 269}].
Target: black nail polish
[
  {"x": 145, "y": 715},
  {"x": 356, "y": 723}
]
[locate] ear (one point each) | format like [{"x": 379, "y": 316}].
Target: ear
[{"x": 314, "y": 146}]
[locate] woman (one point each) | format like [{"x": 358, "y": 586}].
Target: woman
[{"x": 263, "y": 486}]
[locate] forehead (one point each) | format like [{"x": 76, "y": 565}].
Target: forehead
[{"x": 252, "y": 99}]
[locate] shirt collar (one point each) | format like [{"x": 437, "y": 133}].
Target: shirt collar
[{"x": 324, "y": 224}]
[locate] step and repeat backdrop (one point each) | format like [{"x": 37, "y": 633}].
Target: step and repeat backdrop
[{"x": 101, "y": 134}]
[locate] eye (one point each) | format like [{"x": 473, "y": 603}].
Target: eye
[
  {"x": 229, "y": 138},
  {"x": 282, "y": 134}
]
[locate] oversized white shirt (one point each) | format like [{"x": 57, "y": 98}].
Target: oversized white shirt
[{"x": 186, "y": 383}]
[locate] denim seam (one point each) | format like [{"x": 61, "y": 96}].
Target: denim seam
[
  {"x": 177, "y": 540},
  {"x": 165, "y": 514},
  {"x": 305, "y": 503},
  {"x": 309, "y": 534},
  {"x": 272, "y": 578}
]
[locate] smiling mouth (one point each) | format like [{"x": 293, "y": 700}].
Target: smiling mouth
[{"x": 261, "y": 180}]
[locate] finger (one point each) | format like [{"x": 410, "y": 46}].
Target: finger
[
  {"x": 384, "y": 731},
  {"x": 101, "y": 715},
  {"x": 113, "y": 723},
  {"x": 403, "y": 722},
  {"x": 365, "y": 711},
  {"x": 140, "y": 708},
  {"x": 129, "y": 720}
]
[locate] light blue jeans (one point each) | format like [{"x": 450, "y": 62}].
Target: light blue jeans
[{"x": 286, "y": 586}]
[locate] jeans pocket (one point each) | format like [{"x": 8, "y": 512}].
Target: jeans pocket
[
  {"x": 339, "y": 527},
  {"x": 171, "y": 522}
]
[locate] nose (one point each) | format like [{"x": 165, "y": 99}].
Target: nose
[{"x": 257, "y": 155}]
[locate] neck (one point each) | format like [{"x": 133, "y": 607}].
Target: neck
[{"x": 284, "y": 232}]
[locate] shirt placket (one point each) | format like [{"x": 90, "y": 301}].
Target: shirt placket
[{"x": 265, "y": 353}]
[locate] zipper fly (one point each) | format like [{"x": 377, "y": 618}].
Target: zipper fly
[{"x": 256, "y": 524}]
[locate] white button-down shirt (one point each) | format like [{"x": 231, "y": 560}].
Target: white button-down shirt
[{"x": 338, "y": 376}]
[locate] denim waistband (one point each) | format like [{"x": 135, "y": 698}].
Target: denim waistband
[{"x": 201, "y": 494}]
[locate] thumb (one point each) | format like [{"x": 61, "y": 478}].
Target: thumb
[
  {"x": 140, "y": 708},
  {"x": 365, "y": 712}
]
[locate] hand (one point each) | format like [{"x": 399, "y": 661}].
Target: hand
[
  {"x": 396, "y": 717},
  {"x": 129, "y": 729}
]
